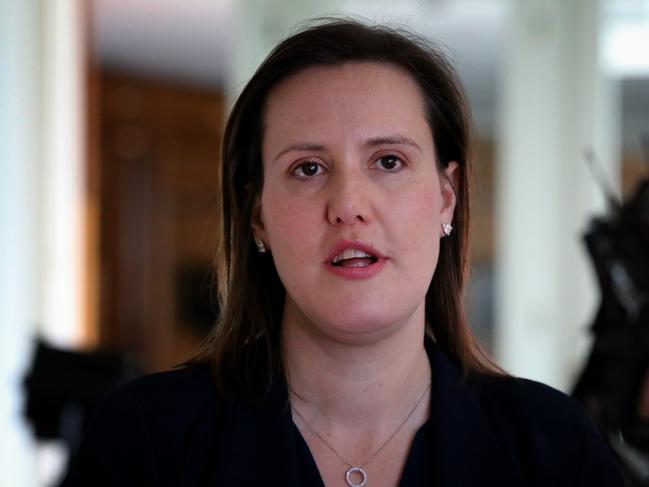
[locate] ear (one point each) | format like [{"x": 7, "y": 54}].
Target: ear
[
  {"x": 449, "y": 178},
  {"x": 257, "y": 223}
]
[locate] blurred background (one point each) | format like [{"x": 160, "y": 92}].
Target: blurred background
[{"x": 111, "y": 114}]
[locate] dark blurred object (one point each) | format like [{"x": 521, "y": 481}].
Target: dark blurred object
[
  {"x": 197, "y": 305},
  {"x": 614, "y": 386},
  {"x": 63, "y": 388}
]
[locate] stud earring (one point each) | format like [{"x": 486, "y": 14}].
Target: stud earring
[
  {"x": 261, "y": 248},
  {"x": 447, "y": 228}
]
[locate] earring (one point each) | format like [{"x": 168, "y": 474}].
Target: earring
[
  {"x": 261, "y": 248},
  {"x": 447, "y": 228}
]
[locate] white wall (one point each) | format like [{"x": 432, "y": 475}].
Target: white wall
[
  {"x": 41, "y": 208},
  {"x": 19, "y": 205},
  {"x": 557, "y": 103}
]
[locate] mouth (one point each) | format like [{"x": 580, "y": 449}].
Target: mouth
[
  {"x": 353, "y": 254},
  {"x": 353, "y": 258}
]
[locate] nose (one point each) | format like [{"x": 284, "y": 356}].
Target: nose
[{"x": 348, "y": 200}]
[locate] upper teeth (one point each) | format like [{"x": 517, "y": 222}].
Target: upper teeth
[{"x": 350, "y": 254}]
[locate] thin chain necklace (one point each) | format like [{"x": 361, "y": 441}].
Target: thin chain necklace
[{"x": 357, "y": 471}]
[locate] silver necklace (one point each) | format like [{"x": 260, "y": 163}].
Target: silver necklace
[{"x": 357, "y": 471}]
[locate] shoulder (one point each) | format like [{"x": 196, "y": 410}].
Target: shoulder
[
  {"x": 164, "y": 403},
  {"x": 186, "y": 391},
  {"x": 143, "y": 430},
  {"x": 544, "y": 430},
  {"x": 522, "y": 410},
  {"x": 521, "y": 400}
]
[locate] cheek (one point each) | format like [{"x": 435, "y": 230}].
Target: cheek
[
  {"x": 290, "y": 226},
  {"x": 292, "y": 235},
  {"x": 419, "y": 208},
  {"x": 417, "y": 221}
]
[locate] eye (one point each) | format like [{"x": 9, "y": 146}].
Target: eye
[
  {"x": 307, "y": 170},
  {"x": 389, "y": 163}
]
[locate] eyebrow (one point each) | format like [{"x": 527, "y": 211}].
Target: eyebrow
[
  {"x": 300, "y": 147},
  {"x": 391, "y": 140},
  {"x": 395, "y": 139}
]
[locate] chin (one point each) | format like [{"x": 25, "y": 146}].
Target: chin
[
  {"x": 358, "y": 319},
  {"x": 364, "y": 325}
]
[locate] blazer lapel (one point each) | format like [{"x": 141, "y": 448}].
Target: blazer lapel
[
  {"x": 464, "y": 449},
  {"x": 261, "y": 448}
]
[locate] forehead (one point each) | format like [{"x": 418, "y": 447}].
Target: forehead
[{"x": 328, "y": 101}]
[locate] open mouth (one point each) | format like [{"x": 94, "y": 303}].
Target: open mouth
[{"x": 353, "y": 258}]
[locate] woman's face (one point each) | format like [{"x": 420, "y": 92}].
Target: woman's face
[{"x": 352, "y": 201}]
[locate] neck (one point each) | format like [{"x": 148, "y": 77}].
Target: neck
[{"x": 361, "y": 386}]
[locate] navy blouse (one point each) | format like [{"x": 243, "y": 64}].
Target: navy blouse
[{"x": 173, "y": 429}]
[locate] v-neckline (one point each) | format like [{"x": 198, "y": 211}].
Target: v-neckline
[{"x": 415, "y": 471}]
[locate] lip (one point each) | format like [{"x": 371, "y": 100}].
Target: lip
[{"x": 355, "y": 272}]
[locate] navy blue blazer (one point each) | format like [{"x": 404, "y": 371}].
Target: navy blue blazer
[{"x": 173, "y": 429}]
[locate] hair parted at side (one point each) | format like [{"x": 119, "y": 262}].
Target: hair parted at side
[{"x": 251, "y": 295}]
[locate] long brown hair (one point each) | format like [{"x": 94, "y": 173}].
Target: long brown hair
[{"x": 251, "y": 295}]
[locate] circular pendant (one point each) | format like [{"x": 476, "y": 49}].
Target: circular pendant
[{"x": 359, "y": 472}]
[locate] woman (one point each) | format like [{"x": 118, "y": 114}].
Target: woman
[{"x": 342, "y": 355}]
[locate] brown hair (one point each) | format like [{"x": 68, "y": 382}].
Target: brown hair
[{"x": 251, "y": 296}]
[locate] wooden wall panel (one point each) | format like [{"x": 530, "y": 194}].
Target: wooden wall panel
[{"x": 159, "y": 148}]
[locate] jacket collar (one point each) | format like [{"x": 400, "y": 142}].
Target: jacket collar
[
  {"x": 465, "y": 450},
  {"x": 261, "y": 444}
]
